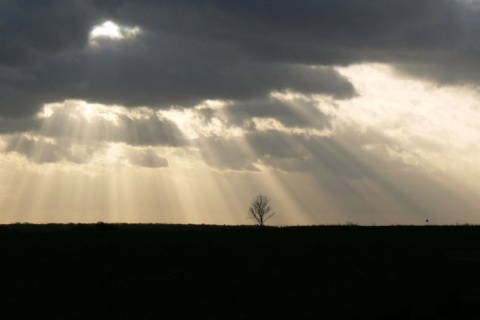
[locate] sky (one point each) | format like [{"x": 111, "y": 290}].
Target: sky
[{"x": 340, "y": 111}]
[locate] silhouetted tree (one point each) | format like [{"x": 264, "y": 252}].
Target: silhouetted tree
[{"x": 260, "y": 210}]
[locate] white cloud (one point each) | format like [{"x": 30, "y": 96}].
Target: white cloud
[
  {"x": 430, "y": 126},
  {"x": 109, "y": 30},
  {"x": 194, "y": 124}
]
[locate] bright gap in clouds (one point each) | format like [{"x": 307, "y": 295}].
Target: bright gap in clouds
[
  {"x": 430, "y": 126},
  {"x": 111, "y": 30}
]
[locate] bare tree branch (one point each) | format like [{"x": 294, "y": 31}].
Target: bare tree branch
[{"x": 260, "y": 210}]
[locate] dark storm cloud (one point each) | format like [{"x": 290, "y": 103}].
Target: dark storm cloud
[
  {"x": 32, "y": 31},
  {"x": 217, "y": 49},
  {"x": 34, "y": 35},
  {"x": 319, "y": 32},
  {"x": 160, "y": 71}
]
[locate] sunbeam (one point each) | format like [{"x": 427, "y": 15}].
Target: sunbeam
[{"x": 389, "y": 155}]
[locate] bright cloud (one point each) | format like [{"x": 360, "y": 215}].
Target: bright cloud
[
  {"x": 430, "y": 126},
  {"x": 109, "y": 30}
]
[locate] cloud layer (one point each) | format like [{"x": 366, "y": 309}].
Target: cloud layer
[{"x": 189, "y": 51}]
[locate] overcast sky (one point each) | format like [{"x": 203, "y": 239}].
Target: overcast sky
[{"x": 182, "y": 111}]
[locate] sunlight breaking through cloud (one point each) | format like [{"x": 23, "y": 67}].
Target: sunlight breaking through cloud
[
  {"x": 426, "y": 125},
  {"x": 396, "y": 153},
  {"x": 109, "y": 30}
]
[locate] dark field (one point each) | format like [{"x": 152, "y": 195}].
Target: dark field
[{"x": 205, "y": 272}]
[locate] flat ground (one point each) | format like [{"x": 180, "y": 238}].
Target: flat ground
[{"x": 206, "y": 272}]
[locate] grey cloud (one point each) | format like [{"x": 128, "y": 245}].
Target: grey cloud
[
  {"x": 143, "y": 132},
  {"x": 16, "y": 125},
  {"x": 41, "y": 151},
  {"x": 280, "y": 150},
  {"x": 335, "y": 160},
  {"x": 147, "y": 130},
  {"x": 160, "y": 68},
  {"x": 217, "y": 49},
  {"x": 289, "y": 152},
  {"x": 450, "y": 70},
  {"x": 302, "y": 114},
  {"x": 317, "y": 32},
  {"x": 31, "y": 31},
  {"x": 277, "y": 145},
  {"x": 436, "y": 39},
  {"x": 226, "y": 154},
  {"x": 271, "y": 148},
  {"x": 161, "y": 72},
  {"x": 147, "y": 158}
]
